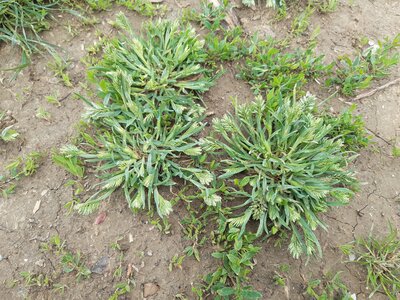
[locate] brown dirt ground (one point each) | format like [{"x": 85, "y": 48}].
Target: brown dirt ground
[{"x": 21, "y": 231}]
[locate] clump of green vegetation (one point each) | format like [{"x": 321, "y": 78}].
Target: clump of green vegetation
[
  {"x": 349, "y": 128},
  {"x": 21, "y": 167},
  {"x": 21, "y": 21},
  {"x": 42, "y": 113},
  {"x": 229, "y": 280},
  {"x": 143, "y": 7},
  {"x": 325, "y": 289},
  {"x": 70, "y": 262},
  {"x": 269, "y": 67},
  {"x": 285, "y": 165},
  {"x": 373, "y": 62},
  {"x": 325, "y": 6},
  {"x": 221, "y": 44},
  {"x": 122, "y": 288},
  {"x": 59, "y": 67},
  {"x": 148, "y": 121},
  {"x": 396, "y": 151},
  {"x": 39, "y": 280},
  {"x": 143, "y": 150},
  {"x": 167, "y": 61},
  {"x": 381, "y": 258},
  {"x": 232, "y": 45},
  {"x": 8, "y": 134},
  {"x": 69, "y": 163}
]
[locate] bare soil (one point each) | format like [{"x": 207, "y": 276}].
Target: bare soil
[{"x": 149, "y": 251}]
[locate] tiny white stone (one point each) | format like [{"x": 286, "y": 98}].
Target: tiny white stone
[{"x": 352, "y": 257}]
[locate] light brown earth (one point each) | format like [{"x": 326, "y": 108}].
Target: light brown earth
[{"x": 22, "y": 231}]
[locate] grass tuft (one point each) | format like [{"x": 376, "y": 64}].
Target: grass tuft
[
  {"x": 381, "y": 258},
  {"x": 285, "y": 166}
]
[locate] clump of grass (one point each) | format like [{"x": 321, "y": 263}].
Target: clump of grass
[
  {"x": 141, "y": 151},
  {"x": 373, "y": 62},
  {"x": 269, "y": 67},
  {"x": 21, "y": 21},
  {"x": 381, "y": 257},
  {"x": 285, "y": 166},
  {"x": 146, "y": 126},
  {"x": 349, "y": 128},
  {"x": 169, "y": 60}
]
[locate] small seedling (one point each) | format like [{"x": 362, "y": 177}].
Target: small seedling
[
  {"x": 20, "y": 167},
  {"x": 8, "y": 134},
  {"x": 73, "y": 263},
  {"x": 302, "y": 21},
  {"x": 39, "y": 280},
  {"x": 59, "y": 67},
  {"x": 53, "y": 99},
  {"x": 59, "y": 288},
  {"x": 42, "y": 113},
  {"x": 176, "y": 262},
  {"x": 396, "y": 151},
  {"x": 122, "y": 288}
]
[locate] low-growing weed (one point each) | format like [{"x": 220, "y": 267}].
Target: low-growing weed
[
  {"x": 148, "y": 121},
  {"x": 59, "y": 67},
  {"x": 229, "y": 281},
  {"x": 324, "y": 6},
  {"x": 70, "y": 163},
  {"x": 53, "y": 99},
  {"x": 396, "y": 151},
  {"x": 42, "y": 113},
  {"x": 285, "y": 166},
  {"x": 72, "y": 262},
  {"x": 381, "y": 258},
  {"x": 21, "y": 167},
  {"x": 269, "y": 67},
  {"x": 373, "y": 62},
  {"x": 8, "y": 134},
  {"x": 39, "y": 280},
  {"x": 121, "y": 289},
  {"x": 232, "y": 45},
  {"x": 302, "y": 21},
  {"x": 326, "y": 288},
  {"x": 349, "y": 128}
]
